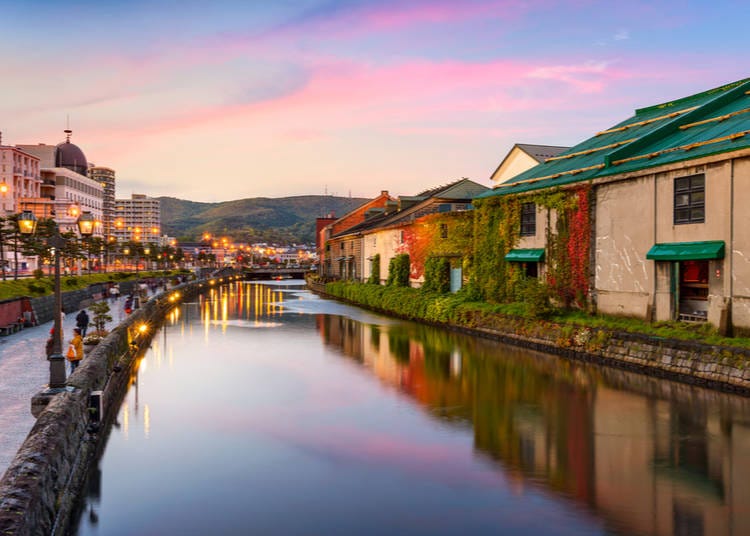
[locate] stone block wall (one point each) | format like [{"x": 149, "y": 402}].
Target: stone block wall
[{"x": 73, "y": 300}]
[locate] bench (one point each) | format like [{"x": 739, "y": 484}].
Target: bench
[
  {"x": 10, "y": 328},
  {"x": 7, "y": 330}
]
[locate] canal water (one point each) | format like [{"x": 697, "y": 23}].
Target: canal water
[{"x": 263, "y": 409}]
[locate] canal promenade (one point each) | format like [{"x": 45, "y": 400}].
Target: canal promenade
[{"x": 24, "y": 370}]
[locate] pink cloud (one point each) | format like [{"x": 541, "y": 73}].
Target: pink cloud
[
  {"x": 588, "y": 77},
  {"x": 383, "y": 15}
]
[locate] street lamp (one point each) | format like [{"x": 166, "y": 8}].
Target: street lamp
[
  {"x": 86, "y": 224},
  {"x": 27, "y": 226}
]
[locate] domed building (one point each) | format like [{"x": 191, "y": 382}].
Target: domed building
[
  {"x": 66, "y": 189},
  {"x": 70, "y": 156}
]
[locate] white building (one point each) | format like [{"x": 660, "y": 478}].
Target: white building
[
  {"x": 19, "y": 177},
  {"x": 137, "y": 219},
  {"x": 106, "y": 178},
  {"x": 65, "y": 189}
]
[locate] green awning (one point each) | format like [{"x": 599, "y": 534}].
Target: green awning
[
  {"x": 687, "y": 251},
  {"x": 525, "y": 255}
]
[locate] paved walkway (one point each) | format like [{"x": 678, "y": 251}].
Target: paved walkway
[{"x": 24, "y": 370}]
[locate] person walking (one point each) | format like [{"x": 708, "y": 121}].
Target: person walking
[
  {"x": 75, "y": 350},
  {"x": 82, "y": 321},
  {"x": 50, "y": 344}
]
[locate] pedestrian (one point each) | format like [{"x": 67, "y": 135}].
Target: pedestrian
[
  {"x": 129, "y": 304},
  {"x": 50, "y": 345},
  {"x": 75, "y": 350},
  {"x": 114, "y": 292},
  {"x": 82, "y": 321}
]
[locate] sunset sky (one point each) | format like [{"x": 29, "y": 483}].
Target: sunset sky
[{"x": 212, "y": 101}]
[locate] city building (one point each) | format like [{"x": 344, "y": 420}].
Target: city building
[
  {"x": 106, "y": 178},
  {"x": 335, "y": 261},
  {"x": 19, "y": 178},
  {"x": 65, "y": 190},
  {"x": 411, "y": 229},
  {"x": 138, "y": 219}
]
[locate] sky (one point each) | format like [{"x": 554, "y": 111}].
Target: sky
[{"x": 223, "y": 100}]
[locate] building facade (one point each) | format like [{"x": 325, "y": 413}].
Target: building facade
[
  {"x": 335, "y": 260},
  {"x": 65, "y": 189},
  {"x": 106, "y": 178},
  {"x": 137, "y": 219},
  {"x": 665, "y": 216},
  {"x": 19, "y": 178}
]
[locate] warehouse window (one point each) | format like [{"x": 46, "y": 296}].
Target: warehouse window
[{"x": 690, "y": 199}]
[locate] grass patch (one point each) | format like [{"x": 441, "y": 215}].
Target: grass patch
[{"x": 36, "y": 287}]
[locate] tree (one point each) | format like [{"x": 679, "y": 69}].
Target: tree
[{"x": 100, "y": 316}]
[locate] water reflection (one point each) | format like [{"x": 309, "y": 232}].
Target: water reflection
[
  {"x": 652, "y": 457},
  {"x": 262, "y": 405}
]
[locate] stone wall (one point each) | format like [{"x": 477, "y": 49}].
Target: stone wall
[
  {"x": 40, "y": 489},
  {"x": 73, "y": 300},
  {"x": 716, "y": 367}
]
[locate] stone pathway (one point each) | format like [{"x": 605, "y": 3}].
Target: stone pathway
[{"x": 24, "y": 370}]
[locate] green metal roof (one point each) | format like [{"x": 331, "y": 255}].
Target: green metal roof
[
  {"x": 525, "y": 255},
  {"x": 687, "y": 251},
  {"x": 712, "y": 122}
]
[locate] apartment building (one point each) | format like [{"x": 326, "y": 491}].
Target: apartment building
[
  {"x": 137, "y": 219},
  {"x": 106, "y": 178},
  {"x": 19, "y": 178}
]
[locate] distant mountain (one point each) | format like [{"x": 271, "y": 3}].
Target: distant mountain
[{"x": 280, "y": 220}]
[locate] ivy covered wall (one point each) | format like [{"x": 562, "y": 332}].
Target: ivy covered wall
[
  {"x": 447, "y": 234},
  {"x": 497, "y": 225}
]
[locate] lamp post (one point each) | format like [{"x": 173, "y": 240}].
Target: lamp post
[
  {"x": 27, "y": 226},
  {"x": 86, "y": 224}
]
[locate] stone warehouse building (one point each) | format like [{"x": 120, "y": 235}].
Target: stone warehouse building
[{"x": 668, "y": 191}]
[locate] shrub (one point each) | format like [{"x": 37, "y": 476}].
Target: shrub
[
  {"x": 535, "y": 295},
  {"x": 38, "y": 273},
  {"x": 398, "y": 271},
  {"x": 437, "y": 275},
  {"x": 100, "y": 315},
  {"x": 36, "y": 287},
  {"x": 374, "y": 278}
]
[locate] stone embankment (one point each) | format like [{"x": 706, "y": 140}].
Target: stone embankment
[
  {"x": 41, "y": 488},
  {"x": 717, "y": 367}
]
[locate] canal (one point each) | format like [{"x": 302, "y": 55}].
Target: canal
[{"x": 263, "y": 409}]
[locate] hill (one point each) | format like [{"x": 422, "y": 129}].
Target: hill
[{"x": 260, "y": 219}]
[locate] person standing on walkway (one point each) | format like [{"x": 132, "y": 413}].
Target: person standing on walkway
[
  {"x": 82, "y": 321},
  {"x": 75, "y": 350},
  {"x": 50, "y": 344}
]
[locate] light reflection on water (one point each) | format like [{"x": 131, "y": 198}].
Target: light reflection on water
[{"x": 325, "y": 419}]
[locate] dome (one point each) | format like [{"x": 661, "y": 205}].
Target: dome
[{"x": 70, "y": 156}]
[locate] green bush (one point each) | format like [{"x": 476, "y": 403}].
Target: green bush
[
  {"x": 374, "y": 278},
  {"x": 398, "y": 271},
  {"x": 36, "y": 287},
  {"x": 38, "y": 273},
  {"x": 535, "y": 295},
  {"x": 437, "y": 275},
  {"x": 71, "y": 282}
]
